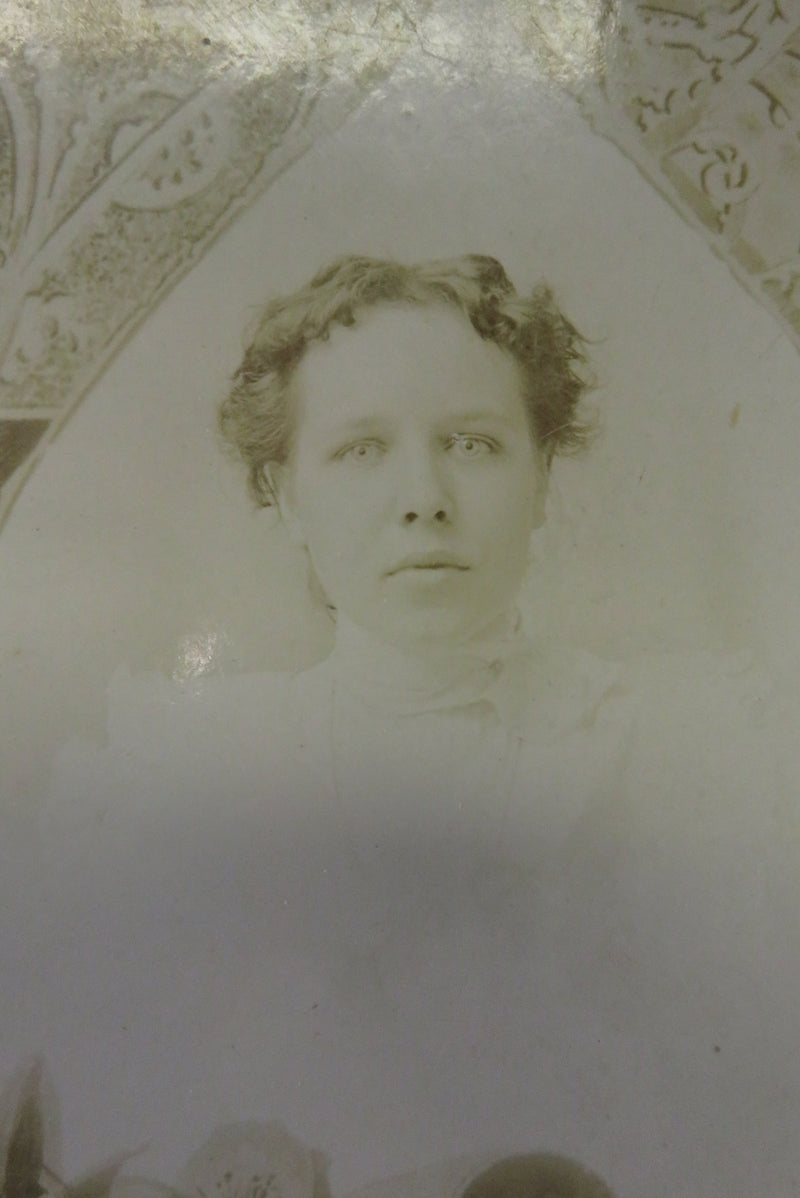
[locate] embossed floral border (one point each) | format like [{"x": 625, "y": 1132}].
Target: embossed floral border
[
  {"x": 127, "y": 151},
  {"x": 705, "y": 98},
  {"x": 124, "y": 153}
]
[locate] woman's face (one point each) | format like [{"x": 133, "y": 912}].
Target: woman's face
[{"x": 413, "y": 481}]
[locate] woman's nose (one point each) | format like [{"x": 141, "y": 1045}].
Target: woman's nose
[
  {"x": 440, "y": 516},
  {"x": 424, "y": 494}
]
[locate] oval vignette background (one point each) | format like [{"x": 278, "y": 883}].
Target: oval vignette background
[{"x": 135, "y": 544}]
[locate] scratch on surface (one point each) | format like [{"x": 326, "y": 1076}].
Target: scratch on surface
[{"x": 767, "y": 348}]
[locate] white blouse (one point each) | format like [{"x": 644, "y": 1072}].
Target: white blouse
[{"x": 529, "y": 900}]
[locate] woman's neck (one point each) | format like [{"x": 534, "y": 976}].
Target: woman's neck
[{"x": 391, "y": 679}]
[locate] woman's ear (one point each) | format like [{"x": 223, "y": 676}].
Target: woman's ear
[{"x": 279, "y": 481}]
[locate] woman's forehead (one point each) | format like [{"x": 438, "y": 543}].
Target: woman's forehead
[
  {"x": 397, "y": 356},
  {"x": 384, "y": 331}
]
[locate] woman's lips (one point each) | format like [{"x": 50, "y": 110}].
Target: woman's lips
[{"x": 427, "y": 562}]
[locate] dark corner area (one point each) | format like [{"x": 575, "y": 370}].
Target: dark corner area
[{"x": 18, "y": 439}]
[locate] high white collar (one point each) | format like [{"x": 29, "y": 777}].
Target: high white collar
[{"x": 495, "y": 668}]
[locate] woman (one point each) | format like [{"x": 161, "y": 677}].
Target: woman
[
  {"x": 404, "y": 421},
  {"x": 471, "y": 883}
]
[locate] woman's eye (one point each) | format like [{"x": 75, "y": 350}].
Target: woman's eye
[
  {"x": 472, "y": 447},
  {"x": 364, "y": 453}
]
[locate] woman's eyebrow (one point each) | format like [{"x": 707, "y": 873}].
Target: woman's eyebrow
[
  {"x": 333, "y": 426},
  {"x": 478, "y": 416},
  {"x": 350, "y": 426}
]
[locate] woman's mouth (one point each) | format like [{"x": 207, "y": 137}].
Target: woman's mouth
[{"x": 427, "y": 563}]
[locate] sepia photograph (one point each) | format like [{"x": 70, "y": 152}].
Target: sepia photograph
[{"x": 399, "y": 781}]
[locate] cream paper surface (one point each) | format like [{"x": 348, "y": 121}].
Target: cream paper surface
[{"x": 172, "y": 944}]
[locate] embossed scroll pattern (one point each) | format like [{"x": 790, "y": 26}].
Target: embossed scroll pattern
[
  {"x": 117, "y": 170},
  {"x": 705, "y": 98}
]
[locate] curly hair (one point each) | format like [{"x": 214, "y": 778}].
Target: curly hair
[{"x": 255, "y": 418}]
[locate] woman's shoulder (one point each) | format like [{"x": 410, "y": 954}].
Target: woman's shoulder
[
  {"x": 175, "y": 745},
  {"x": 692, "y": 752},
  {"x": 141, "y": 706},
  {"x": 677, "y": 702},
  {"x": 570, "y": 690},
  {"x": 665, "y": 689}
]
